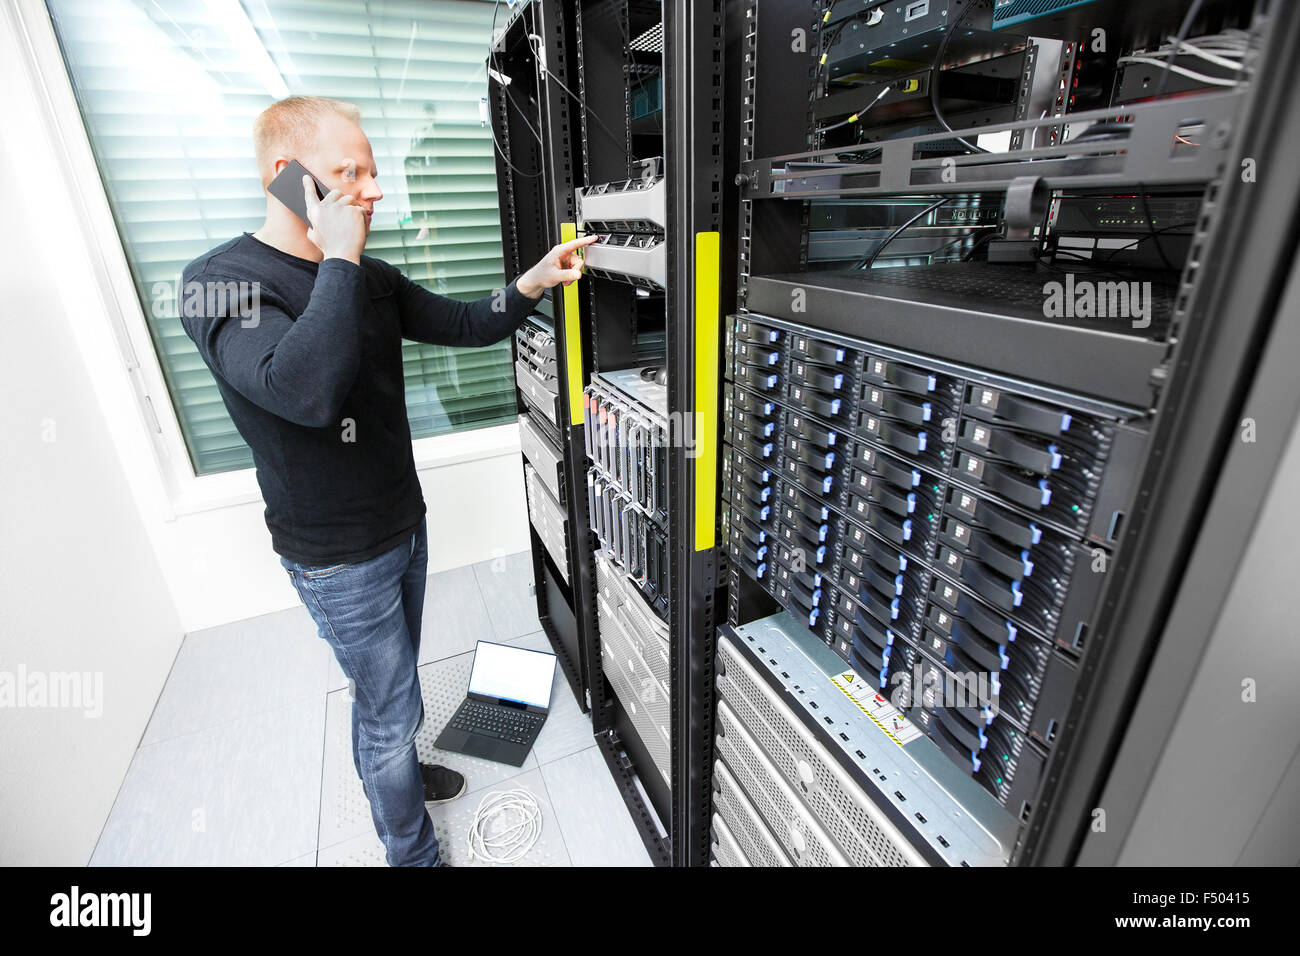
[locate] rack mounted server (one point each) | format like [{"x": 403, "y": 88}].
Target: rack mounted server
[
  {"x": 627, "y": 443},
  {"x": 934, "y": 525},
  {"x": 936, "y": 540},
  {"x": 624, "y": 96},
  {"x": 934, "y": 474}
]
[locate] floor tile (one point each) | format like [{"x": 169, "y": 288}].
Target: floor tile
[
  {"x": 306, "y": 860},
  {"x": 243, "y": 793},
  {"x": 345, "y": 811},
  {"x": 238, "y": 670},
  {"x": 597, "y": 828},
  {"x": 454, "y": 615},
  {"x": 451, "y": 821},
  {"x": 567, "y": 729},
  {"x": 521, "y": 639},
  {"x": 362, "y": 850},
  {"x": 506, "y": 584}
]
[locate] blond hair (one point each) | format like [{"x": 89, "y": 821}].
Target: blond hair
[{"x": 286, "y": 128}]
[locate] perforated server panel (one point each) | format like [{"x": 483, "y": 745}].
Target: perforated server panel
[
  {"x": 548, "y": 518},
  {"x": 943, "y": 529},
  {"x": 536, "y": 375},
  {"x": 634, "y": 656},
  {"x": 540, "y": 450},
  {"x": 834, "y": 776}
]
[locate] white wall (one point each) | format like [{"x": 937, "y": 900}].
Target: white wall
[
  {"x": 220, "y": 566},
  {"x": 80, "y": 586}
]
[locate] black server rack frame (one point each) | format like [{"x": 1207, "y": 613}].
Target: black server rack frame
[
  {"x": 773, "y": 246},
  {"x": 625, "y": 50},
  {"x": 533, "y": 130},
  {"x": 605, "y": 65}
]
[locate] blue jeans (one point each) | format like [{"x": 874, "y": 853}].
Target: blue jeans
[{"x": 369, "y": 613}]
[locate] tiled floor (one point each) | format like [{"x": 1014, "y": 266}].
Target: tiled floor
[{"x": 247, "y": 760}]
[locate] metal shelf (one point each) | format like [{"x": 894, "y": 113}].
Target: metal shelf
[
  {"x": 1107, "y": 365},
  {"x": 1148, "y": 155}
]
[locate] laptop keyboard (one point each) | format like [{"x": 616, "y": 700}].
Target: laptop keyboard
[{"x": 492, "y": 720}]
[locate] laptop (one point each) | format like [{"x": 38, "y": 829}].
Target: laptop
[{"x": 509, "y": 696}]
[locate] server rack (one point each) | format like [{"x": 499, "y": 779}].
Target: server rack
[
  {"x": 903, "y": 356},
  {"x": 758, "y": 734},
  {"x": 635, "y": 103},
  {"x": 534, "y": 129}
]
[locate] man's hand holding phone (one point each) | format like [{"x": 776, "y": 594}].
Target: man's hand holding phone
[{"x": 338, "y": 224}]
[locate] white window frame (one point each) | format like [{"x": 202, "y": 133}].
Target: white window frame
[{"x": 187, "y": 491}]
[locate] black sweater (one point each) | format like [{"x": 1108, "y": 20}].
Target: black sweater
[{"x": 313, "y": 381}]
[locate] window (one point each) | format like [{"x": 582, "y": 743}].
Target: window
[{"x": 168, "y": 90}]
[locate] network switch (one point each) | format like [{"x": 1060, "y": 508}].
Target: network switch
[
  {"x": 536, "y": 374},
  {"x": 548, "y": 518},
  {"x": 543, "y": 455},
  {"x": 885, "y": 37}
]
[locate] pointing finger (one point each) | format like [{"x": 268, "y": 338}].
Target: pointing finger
[{"x": 576, "y": 243}]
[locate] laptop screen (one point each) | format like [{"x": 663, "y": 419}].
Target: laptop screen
[{"x": 512, "y": 673}]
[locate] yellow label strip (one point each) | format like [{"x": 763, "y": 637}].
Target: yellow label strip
[
  {"x": 707, "y": 299},
  {"x": 572, "y": 335}
]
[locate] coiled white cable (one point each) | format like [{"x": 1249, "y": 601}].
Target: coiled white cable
[{"x": 506, "y": 825}]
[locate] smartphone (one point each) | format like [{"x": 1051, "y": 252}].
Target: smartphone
[{"x": 287, "y": 187}]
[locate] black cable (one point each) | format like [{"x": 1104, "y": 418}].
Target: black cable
[
  {"x": 979, "y": 244},
  {"x": 1151, "y": 235},
  {"x": 937, "y": 68},
  {"x": 536, "y": 135},
  {"x": 868, "y": 261},
  {"x": 854, "y": 117},
  {"x": 493, "y": 59},
  {"x": 1146, "y": 211},
  {"x": 583, "y": 106},
  {"x": 512, "y": 166},
  {"x": 825, "y": 40},
  {"x": 1045, "y": 259},
  {"x": 1183, "y": 30}
]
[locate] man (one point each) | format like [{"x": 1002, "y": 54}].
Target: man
[{"x": 313, "y": 382}]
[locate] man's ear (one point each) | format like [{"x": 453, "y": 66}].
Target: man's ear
[{"x": 280, "y": 163}]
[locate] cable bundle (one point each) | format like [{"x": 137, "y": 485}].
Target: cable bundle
[
  {"x": 1226, "y": 50},
  {"x": 507, "y": 824}
]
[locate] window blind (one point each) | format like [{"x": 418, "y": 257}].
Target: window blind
[{"x": 168, "y": 91}]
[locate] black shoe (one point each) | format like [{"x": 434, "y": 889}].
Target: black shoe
[{"x": 441, "y": 785}]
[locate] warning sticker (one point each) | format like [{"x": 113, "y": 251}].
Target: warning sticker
[{"x": 882, "y": 713}]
